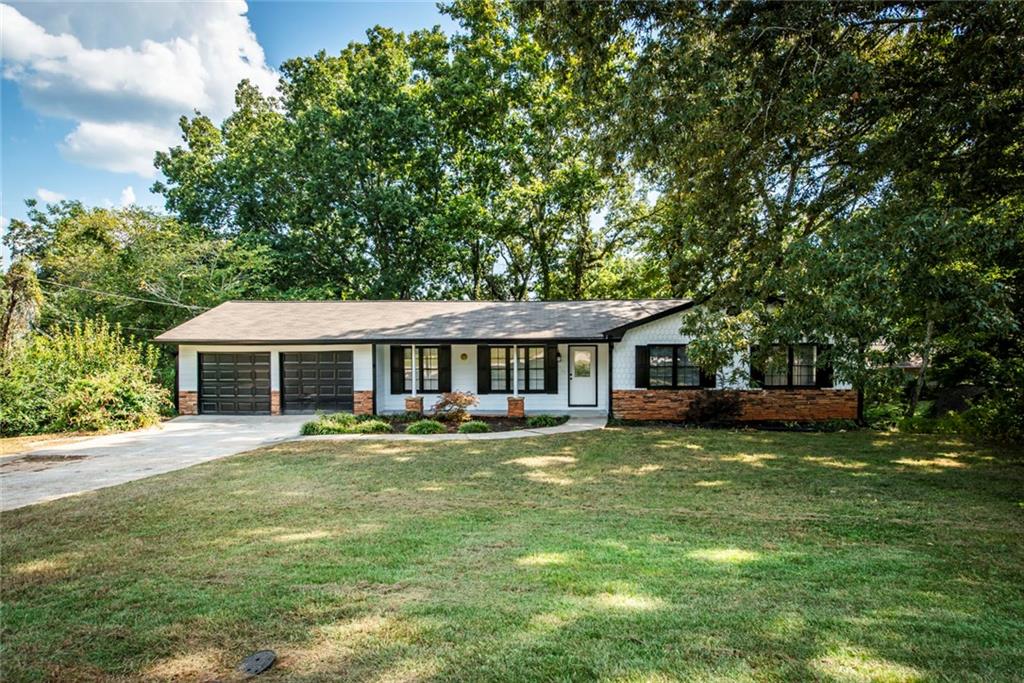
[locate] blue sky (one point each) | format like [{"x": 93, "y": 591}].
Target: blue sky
[{"x": 90, "y": 90}]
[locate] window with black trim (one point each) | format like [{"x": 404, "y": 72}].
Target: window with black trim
[
  {"x": 791, "y": 366},
  {"x": 671, "y": 368},
  {"x": 500, "y": 373},
  {"x": 531, "y": 368},
  {"x": 428, "y": 369}
]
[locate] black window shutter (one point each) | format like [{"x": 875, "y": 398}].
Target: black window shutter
[
  {"x": 551, "y": 369},
  {"x": 397, "y": 369},
  {"x": 483, "y": 369},
  {"x": 444, "y": 369},
  {"x": 708, "y": 379},
  {"x": 756, "y": 373},
  {"x": 823, "y": 372},
  {"x": 643, "y": 367}
]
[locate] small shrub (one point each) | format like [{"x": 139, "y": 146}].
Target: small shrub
[
  {"x": 453, "y": 406},
  {"x": 714, "y": 406},
  {"x": 426, "y": 427},
  {"x": 371, "y": 427},
  {"x": 340, "y": 419},
  {"x": 546, "y": 420},
  {"x": 345, "y": 423},
  {"x": 474, "y": 427}
]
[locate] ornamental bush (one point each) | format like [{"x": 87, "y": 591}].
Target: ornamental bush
[
  {"x": 426, "y": 427},
  {"x": 474, "y": 427},
  {"x": 87, "y": 378},
  {"x": 453, "y": 406}
]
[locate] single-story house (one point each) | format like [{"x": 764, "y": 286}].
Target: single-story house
[{"x": 624, "y": 358}]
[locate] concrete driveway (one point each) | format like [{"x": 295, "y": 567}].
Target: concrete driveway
[{"x": 102, "y": 461}]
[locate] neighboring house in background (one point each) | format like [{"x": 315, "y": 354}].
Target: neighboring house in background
[{"x": 625, "y": 358}]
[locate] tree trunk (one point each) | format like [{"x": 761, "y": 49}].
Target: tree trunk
[{"x": 926, "y": 353}]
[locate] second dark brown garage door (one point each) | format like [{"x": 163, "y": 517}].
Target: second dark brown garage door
[{"x": 314, "y": 381}]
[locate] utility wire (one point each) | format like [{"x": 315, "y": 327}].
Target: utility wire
[{"x": 125, "y": 296}]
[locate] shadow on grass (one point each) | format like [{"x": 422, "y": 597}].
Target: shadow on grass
[{"x": 624, "y": 555}]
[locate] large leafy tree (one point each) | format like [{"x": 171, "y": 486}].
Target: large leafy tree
[
  {"x": 412, "y": 166},
  {"x": 836, "y": 170},
  {"x": 140, "y": 270}
]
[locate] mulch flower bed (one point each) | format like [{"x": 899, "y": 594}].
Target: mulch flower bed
[{"x": 497, "y": 424}]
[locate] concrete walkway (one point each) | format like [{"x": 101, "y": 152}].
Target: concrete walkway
[
  {"x": 575, "y": 424},
  {"x": 101, "y": 461}
]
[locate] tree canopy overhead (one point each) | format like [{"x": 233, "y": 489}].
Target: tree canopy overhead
[
  {"x": 857, "y": 163},
  {"x": 418, "y": 165}
]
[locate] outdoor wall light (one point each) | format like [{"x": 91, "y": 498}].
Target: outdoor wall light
[{"x": 558, "y": 356}]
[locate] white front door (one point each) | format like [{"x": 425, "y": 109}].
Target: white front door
[{"x": 583, "y": 376}]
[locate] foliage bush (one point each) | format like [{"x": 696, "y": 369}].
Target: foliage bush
[
  {"x": 87, "y": 378},
  {"x": 546, "y": 420},
  {"x": 426, "y": 427},
  {"x": 474, "y": 427},
  {"x": 345, "y": 423},
  {"x": 714, "y": 406},
  {"x": 453, "y": 406},
  {"x": 993, "y": 419}
]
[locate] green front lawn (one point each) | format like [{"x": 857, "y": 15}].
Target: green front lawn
[{"x": 627, "y": 555}]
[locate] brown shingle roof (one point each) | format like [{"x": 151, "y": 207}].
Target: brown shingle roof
[{"x": 328, "y": 321}]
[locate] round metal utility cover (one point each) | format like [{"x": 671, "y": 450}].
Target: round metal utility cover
[{"x": 257, "y": 662}]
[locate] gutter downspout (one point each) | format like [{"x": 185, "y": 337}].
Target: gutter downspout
[{"x": 374, "y": 386}]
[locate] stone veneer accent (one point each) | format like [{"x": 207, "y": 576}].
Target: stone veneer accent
[
  {"x": 516, "y": 406},
  {"x": 275, "y": 402},
  {"x": 363, "y": 402},
  {"x": 414, "y": 404},
  {"x": 188, "y": 403},
  {"x": 766, "y": 405}
]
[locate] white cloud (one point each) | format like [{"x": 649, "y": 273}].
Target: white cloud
[
  {"x": 128, "y": 196},
  {"x": 49, "y": 196},
  {"x": 125, "y": 72}
]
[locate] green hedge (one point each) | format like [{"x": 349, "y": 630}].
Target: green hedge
[
  {"x": 345, "y": 423},
  {"x": 87, "y": 378},
  {"x": 546, "y": 420}
]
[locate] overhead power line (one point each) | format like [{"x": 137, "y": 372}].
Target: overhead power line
[{"x": 125, "y": 296}]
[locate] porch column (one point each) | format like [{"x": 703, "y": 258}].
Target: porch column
[
  {"x": 515, "y": 370},
  {"x": 413, "y": 369}
]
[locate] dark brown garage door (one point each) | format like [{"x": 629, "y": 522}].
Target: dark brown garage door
[
  {"x": 234, "y": 383},
  {"x": 317, "y": 381}
]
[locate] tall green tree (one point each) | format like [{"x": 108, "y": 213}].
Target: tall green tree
[
  {"x": 415, "y": 165},
  {"x": 855, "y": 164},
  {"x": 140, "y": 270}
]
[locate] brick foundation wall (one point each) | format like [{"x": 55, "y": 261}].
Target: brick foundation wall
[
  {"x": 798, "y": 405},
  {"x": 414, "y": 404},
  {"x": 516, "y": 406},
  {"x": 188, "y": 403},
  {"x": 362, "y": 402}
]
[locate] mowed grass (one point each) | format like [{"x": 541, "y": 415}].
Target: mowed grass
[{"x": 626, "y": 555}]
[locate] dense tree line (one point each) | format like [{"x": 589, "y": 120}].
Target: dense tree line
[{"x": 847, "y": 171}]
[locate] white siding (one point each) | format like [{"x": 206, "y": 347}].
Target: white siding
[
  {"x": 464, "y": 379},
  {"x": 666, "y": 331},
  {"x": 188, "y": 362}
]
